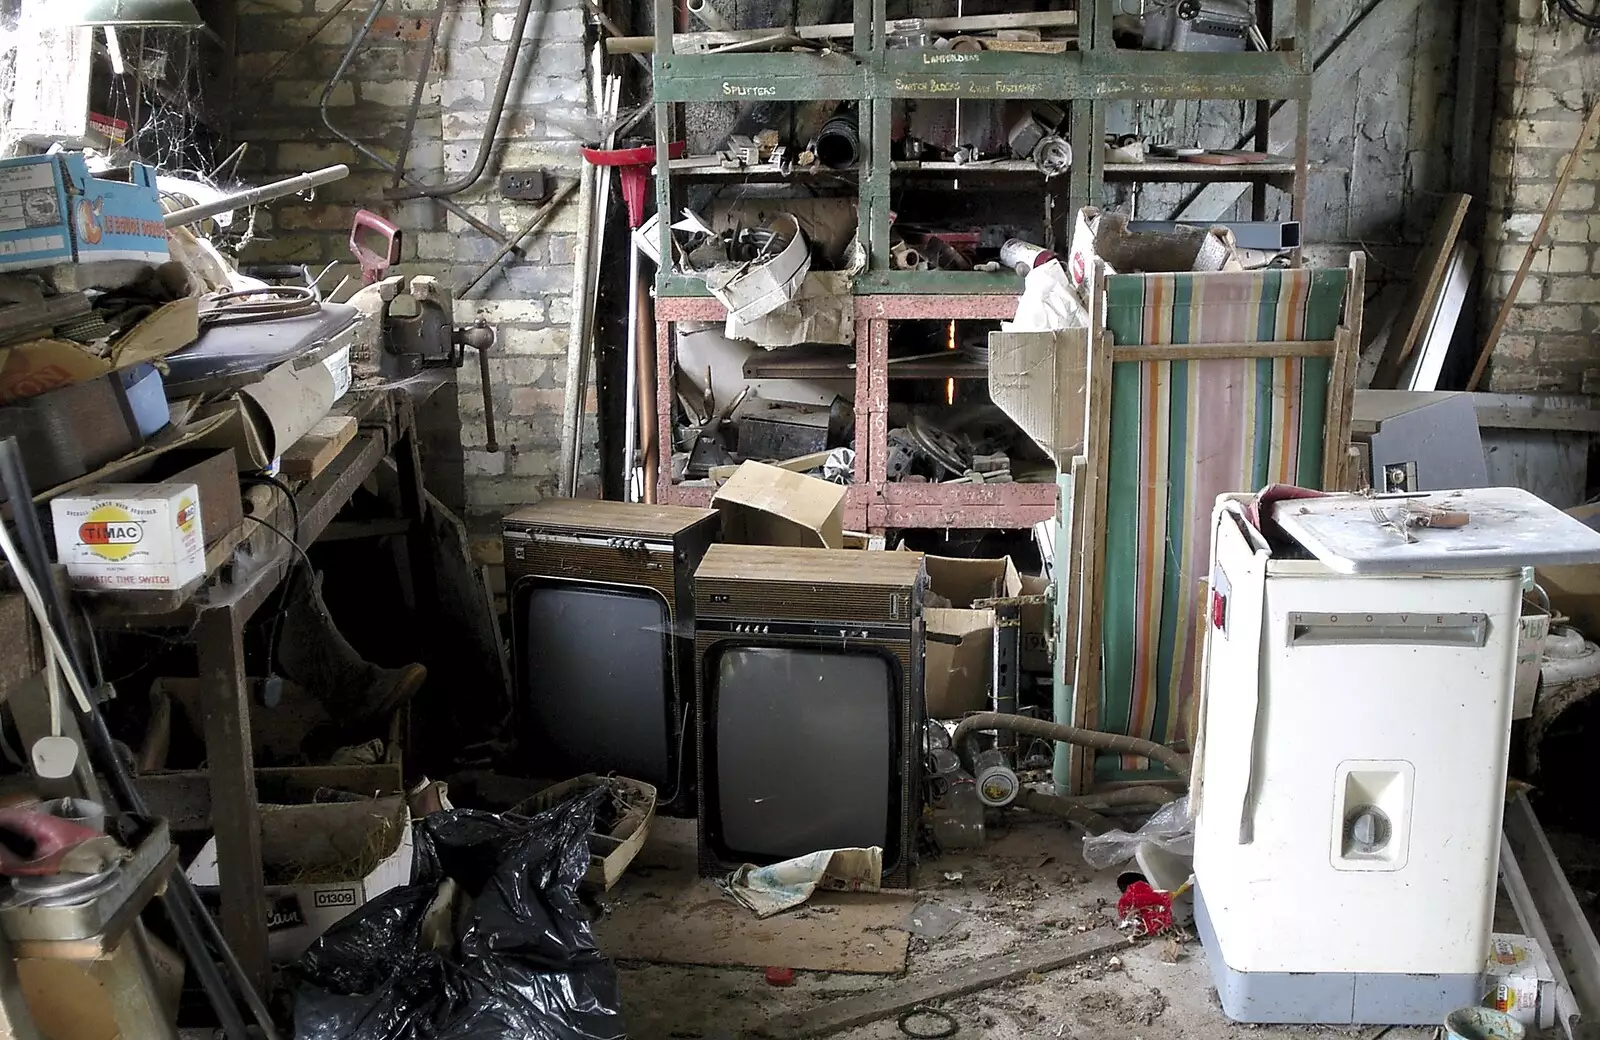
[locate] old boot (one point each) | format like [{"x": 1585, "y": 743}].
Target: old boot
[{"x": 313, "y": 654}]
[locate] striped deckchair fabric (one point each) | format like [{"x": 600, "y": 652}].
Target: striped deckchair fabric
[{"x": 1183, "y": 432}]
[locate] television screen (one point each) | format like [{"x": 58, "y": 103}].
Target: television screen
[
  {"x": 804, "y": 746},
  {"x": 595, "y": 681}
]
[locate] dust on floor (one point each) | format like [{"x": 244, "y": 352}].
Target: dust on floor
[{"x": 1027, "y": 884}]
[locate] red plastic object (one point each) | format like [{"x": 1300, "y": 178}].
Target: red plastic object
[
  {"x": 780, "y": 976},
  {"x": 633, "y": 166},
  {"x": 368, "y": 230},
  {"x": 1152, "y": 909},
  {"x": 35, "y": 842}
]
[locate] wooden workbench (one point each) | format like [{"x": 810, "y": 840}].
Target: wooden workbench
[{"x": 214, "y": 615}]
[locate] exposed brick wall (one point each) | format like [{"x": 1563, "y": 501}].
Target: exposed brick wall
[
  {"x": 529, "y": 301},
  {"x": 1548, "y": 76}
]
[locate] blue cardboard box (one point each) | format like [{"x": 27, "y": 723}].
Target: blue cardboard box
[{"x": 52, "y": 211}]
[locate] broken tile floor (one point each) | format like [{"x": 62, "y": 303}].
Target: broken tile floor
[{"x": 1027, "y": 884}]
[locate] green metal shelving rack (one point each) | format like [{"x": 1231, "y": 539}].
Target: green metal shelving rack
[{"x": 874, "y": 77}]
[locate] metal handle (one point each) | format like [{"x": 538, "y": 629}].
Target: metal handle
[
  {"x": 373, "y": 263},
  {"x": 492, "y": 443},
  {"x": 1408, "y": 629}
]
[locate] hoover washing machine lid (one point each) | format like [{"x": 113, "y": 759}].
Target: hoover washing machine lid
[{"x": 1504, "y": 527}]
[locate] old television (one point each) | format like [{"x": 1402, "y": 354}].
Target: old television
[
  {"x": 602, "y": 612},
  {"x": 808, "y": 671}
]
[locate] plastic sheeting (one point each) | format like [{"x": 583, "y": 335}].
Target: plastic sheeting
[
  {"x": 1169, "y": 827},
  {"x": 489, "y": 941}
]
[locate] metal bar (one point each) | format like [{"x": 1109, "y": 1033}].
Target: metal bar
[
  {"x": 497, "y": 110},
  {"x": 1572, "y": 940},
  {"x": 252, "y": 196},
  {"x": 577, "y": 337},
  {"x": 514, "y": 241},
  {"x": 1247, "y": 234},
  {"x": 406, "y": 137},
  {"x": 385, "y": 164},
  {"x": 305, "y": 41},
  {"x": 1532, "y": 924}
]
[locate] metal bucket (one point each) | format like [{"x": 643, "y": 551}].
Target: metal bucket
[{"x": 1481, "y": 1023}]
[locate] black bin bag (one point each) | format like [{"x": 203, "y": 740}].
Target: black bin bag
[{"x": 522, "y": 964}]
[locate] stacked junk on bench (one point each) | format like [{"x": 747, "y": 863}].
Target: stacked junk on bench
[{"x": 1345, "y": 696}]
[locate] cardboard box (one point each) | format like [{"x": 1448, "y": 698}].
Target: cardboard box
[
  {"x": 212, "y": 472},
  {"x": 765, "y": 505},
  {"x": 330, "y": 843},
  {"x": 1575, "y": 591},
  {"x": 611, "y": 850},
  {"x": 72, "y": 430},
  {"x": 959, "y": 637},
  {"x": 1036, "y": 627},
  {"x": 53, "y": 212},
  {"x": 131, "y": 536},
  {"x": 1520, "y": 981},
  {"x": 33, "y": 368}
]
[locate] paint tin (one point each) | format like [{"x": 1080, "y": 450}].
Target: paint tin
[{"x": 1481, "y": 1023}]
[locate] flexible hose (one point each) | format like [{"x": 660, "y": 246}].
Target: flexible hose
[{"x": 1090, "y": 738}]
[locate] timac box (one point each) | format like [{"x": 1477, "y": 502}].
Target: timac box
[
  {"x": 53, "y": 211},
  {"x": 130, "y": 536}
]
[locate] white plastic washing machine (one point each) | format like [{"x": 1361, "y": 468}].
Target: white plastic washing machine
[{"x": 1352, "y": 763}]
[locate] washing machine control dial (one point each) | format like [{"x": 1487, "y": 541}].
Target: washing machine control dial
[{"x": 1366, "y": 830}]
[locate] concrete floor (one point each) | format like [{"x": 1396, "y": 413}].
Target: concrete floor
[{"x": 1028, "y": 883}]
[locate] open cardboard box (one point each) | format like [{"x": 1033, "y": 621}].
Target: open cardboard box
[
  {"x": 612, "y": 848},
  {"x": 328, "y": 844},
  {"x": 959, "y": 636},
  {"x": 37, "y": 366},
  {"x": 765, "y": 505},
  {"x": 1575, "y": 590}
]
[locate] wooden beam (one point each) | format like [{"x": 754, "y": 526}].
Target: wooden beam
[
  {"x": 1332, "y": 76},
  {"x": 1223, "y": 351},
  {"x": 889, "y": 1001},
  {"x": 683, "y": 42},
  {"x": 1426, "y": 283}
]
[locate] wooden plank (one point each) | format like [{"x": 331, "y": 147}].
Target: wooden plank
[
  {"x": 1342, "y": 403},
  {"x": 889, "y": 1001},
  {"x": 684, "y": 43},
  {"x": 226, "y": 724},
  {"x": 1426, "y": 281},
  {"x": 1086, "y": 684},
  {"x": 311, "y": 454},
  {"x": 1534, "y": 244},
  {"x": 1223, "y": 351}
]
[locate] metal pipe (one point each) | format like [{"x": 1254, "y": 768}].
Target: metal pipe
[
  {"x": 491, "y": 129},
  {"x": 838, "y": 144},
  {"x": 252, "y": 196},
  {"x": 408, "y": 136},
  {"x": 630, "y": 403},
  {"x": 577, "y": 335},
  {"x": 644, "y": 345},
  {"x": 305, "y": 41},
  {"x": 385, "y": 164},
  {"x": 533, "y": 225},
  {"x": 183, "y": 903},
  {"x": 704, "y": 10},
  {"x": 1030, "y": 727}
]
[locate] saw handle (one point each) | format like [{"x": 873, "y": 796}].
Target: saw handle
[{"x": 369, "y": 233}]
